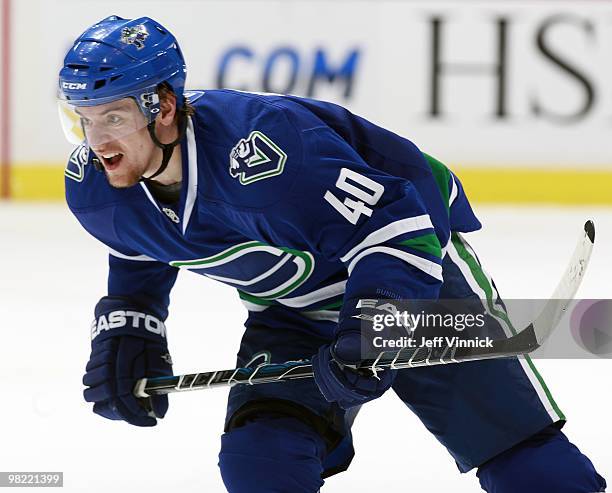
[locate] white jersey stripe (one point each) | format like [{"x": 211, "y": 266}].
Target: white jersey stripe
[
  {"x": 427, "y": 266},
  {"x": 301, "y": 268},
  {"x": 253, "y": 307},
  {"x": 444, "y": 250},
  {"x": 454, "y": 191},
  {"x": 138, "y": 258},
  {"x": 389, "y": 231},
  {"x": 330, "y": 315},
  {"x": 314, "y": 296},
  {"x": 149, "y": 196},
  {"x": 192, "y": 160}
]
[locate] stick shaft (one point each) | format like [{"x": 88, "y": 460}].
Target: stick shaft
[{"x": 525, "y": 341}]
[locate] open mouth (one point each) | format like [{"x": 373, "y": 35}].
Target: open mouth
[{"x": 111, "y": 160}]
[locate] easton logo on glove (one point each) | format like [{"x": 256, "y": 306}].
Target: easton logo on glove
[{"x": 124, "y": 318}]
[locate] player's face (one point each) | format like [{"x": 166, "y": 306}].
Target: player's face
[{"x": 117, "y": 134}]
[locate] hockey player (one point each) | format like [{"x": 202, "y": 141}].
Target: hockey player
[{"x": 305, "y": 208}]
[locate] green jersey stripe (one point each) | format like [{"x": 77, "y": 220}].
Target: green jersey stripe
[
  {"x": 442, "y": 176},
  {"x": 254, "y": 299},
  {"x": 465, "y": 253},
  {"x": 428, "y": 243}
]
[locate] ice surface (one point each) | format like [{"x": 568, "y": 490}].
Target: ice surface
[{"x": 52, "y": 274}]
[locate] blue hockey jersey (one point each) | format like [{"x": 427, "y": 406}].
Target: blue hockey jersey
[{"x": 294, "y": 202}]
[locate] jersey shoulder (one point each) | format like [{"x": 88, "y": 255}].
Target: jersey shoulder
[
  {"x": 250, "y": 147},
  {"x": 96, "y": 205},
  {"x": 233, "y": 113}
]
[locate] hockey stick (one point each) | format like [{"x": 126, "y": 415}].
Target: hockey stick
[{"x": 525, "y": 341}]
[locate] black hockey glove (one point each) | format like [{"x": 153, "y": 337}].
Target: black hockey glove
[
  {"x": 332, "y": 365},
  {"x": 127, "y": 345}
]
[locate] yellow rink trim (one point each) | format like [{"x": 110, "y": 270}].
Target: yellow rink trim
[
  {"x": 510, "y": 185},
  {"x": 37, "y": 181},
  {"x": 537, "y": 185}
]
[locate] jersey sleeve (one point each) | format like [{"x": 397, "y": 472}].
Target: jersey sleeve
[
  {"x": 143, "y": 281},
  {"x": 375, "y": 223},
  {"x": 137, "y": 279}
]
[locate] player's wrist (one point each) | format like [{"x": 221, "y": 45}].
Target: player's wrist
[{"x": 116, "y": 317}]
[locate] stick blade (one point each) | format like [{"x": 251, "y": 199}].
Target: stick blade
[{"x": 555, "y": 308}]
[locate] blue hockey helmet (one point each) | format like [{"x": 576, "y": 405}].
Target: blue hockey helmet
[{"x": 119, "y": 58}]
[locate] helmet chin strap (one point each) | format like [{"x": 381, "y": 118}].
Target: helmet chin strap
[{"x": 167, "y": 149}]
